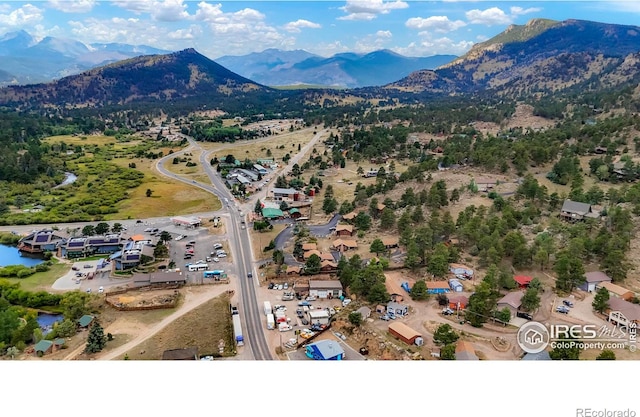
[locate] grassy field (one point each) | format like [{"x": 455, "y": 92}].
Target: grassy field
[
  {"x": 203, "y": 327},
  {"x": 72, "y": 140},
  {"x": 279, "y": 145},
  {"x": 260, "y": 240},
  {"x": 42, "y": 281}
]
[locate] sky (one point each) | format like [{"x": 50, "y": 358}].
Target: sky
[{"x": 410, "y": 28}]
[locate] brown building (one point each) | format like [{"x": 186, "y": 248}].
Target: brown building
[
  {"x": 405, "y": 333},
  {"x": 344, "y": 230}
]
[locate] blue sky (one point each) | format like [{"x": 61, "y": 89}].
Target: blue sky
[{"x": 412, "y": 28}]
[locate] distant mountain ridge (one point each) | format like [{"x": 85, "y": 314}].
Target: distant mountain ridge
[
  {"x": 346, "y": 70},
  {"x": 29, "y": 61},
  {"x": 541, "y": 57},
  {"x": 168, "y": 77}
]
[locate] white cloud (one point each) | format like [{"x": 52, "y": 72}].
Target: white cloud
[
  {"x": 161, "y": 10},
  {"x": 327, "y": 49},
  {"x": 440, "y": 24},
  {"x": 5, "y": 8},
  {"x": 298, "y": 25},
  {"x": 489, "y": 17},
  {"x": 373, "y": 42},
  {"x": 72, "y": 6},
  {"x": 191, "y": 33},
  {"x": 369, "y": 9},
  {"x": 435, "y": 46},
  {"x": 22, "y": 17},
  {"x": 631, "y": 6},
  {"x": 519, "y": 11}
]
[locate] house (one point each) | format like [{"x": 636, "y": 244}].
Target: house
[
  {"x": 309, "y": 253},
  {"x": 327, "y": 256},
  {"x": 43, "y": 347},
  {"x": 272, "y": 213},
  {"x": 85, "y": 321},
  {"x": 131, "y": 255},
  {"x": 593, "y": 279},
  {"x": 309, "y": 246},
  {"x": 286, "y": 194},
  {"x": 242, "y": 179},
  {"x": 349, "y": 216},
  {"x": 79, "y": 247},
  {"x": 465, "y": 351},
  {"x": 397, "y": 309},
  {"x": 260, "y": 169},
  {"x": 380, "y": 309},
  {"x": 186, "y": 354},
  {"x": 325, "y": 288},
  {"x": 523, "y": 281},
  {"x": 325, "y": 350},
  {"x": 344, "y": 230},
  {"x": 390, "y": 242},
  {"x": 328, "y": 266},
  {"x": 486, "y": 184},
  {"x": 622, "y": 312},
  {"x": 616, "y": 291},
  {"x": 253, "y": 177},
  {"x": 461, "y": 270},
  {"x": 437, "y": 287},
  {"x": 365, "y": 312},
  {"x": 342, "y": 245},
  {"x": 540, "y": 356},
  {"x": 294, "y": 213},
  {"x": 186, "y": 221},
  {"x": 168, "y": 278},
  {"x": 574, "y": 211},
  {"x": 319, "y": 316},
  {"x": 405, "y": 333},
  {"x": 293, "y": 270},
  {"x": 45, "y": 240},
  {"x": 458, "y": 302},
  {"x": 512, "y": 301},
  {"x": 455, "y": 285}
]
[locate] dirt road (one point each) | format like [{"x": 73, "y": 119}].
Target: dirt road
[{"x": 194, "y": 297}]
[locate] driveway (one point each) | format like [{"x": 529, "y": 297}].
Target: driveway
[{"x": 321, "y": 230}]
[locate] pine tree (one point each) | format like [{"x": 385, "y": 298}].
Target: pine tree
[{"x": 96, "y": 339}]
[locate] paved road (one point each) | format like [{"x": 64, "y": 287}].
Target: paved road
[{"x": 240, "y": 244}]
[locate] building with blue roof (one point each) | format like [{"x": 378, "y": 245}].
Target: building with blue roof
[{"x": 325, "y": 350}]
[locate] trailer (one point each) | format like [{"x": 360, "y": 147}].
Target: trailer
[
  {"x": 216, "y": 273},
  {"x": 271, "y": 322},
  {"x": 237, "y": 330},
  {"x": 267, "y": 308}
]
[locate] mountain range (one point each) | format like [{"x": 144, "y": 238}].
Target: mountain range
[
  {"x": 346, "y": 70},
  {"x": 540, "y": 58},
  {"x": 23, "y": 60}
]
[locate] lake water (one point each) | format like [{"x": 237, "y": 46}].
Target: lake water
[{"x": 9, "y": 255}]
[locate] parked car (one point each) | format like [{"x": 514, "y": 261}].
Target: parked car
[
  {"x": 562, "y": 309},
  {"x": 447, "y": 311},
  {"x": 567, "y": 303},
  {"x": 310, "y": 298},
  {"x": 286, "y": 286},
  {"x": 101, "y": 290},
  {"x": 299, "y": 313},
  {"x": 384, "y": 317},
  {"x": 346, "y": 302},
  {"x": 280, "y": 287},
  {"x": 304, "y": 322},
  {"x": 75, "y": 268},
  {"x": 304, "y": 303},
  {"x": 87, "y": 266},
  {"x": 524, "y": 315},
  {"x": 222, "y": 255},
  {"x": 271, "y": 285}
]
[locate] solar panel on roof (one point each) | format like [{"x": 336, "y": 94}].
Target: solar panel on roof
[
  {"x": 42, "y": 238},
  {"x": 75, "y": 244},
  {"x": 133, "y": 257}
]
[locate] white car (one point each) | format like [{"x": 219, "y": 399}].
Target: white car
[
  {"x": 101, "y": 290},
  {"x": 180, "y": 237},
  {"x": 222, "y": 255},
  {"x": 216, "y": 260}
]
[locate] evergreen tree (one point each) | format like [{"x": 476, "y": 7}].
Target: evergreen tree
[{"x": 96, "y": 340}]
